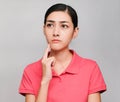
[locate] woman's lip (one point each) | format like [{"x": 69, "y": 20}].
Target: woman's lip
[{"x": 56, "y": 40}]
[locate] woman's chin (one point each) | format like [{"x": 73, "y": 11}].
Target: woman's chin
[{"x": 55, "y": 48}]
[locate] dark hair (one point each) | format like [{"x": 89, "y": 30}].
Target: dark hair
[{"x": 63, "y": 7}]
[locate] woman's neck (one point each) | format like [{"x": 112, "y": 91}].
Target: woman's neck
[
  {"x": 62, "y": 56},
  {"x": 62, "y": 60}
]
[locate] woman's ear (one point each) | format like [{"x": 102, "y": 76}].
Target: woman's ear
[
  {"x": 44, "y": 29},
  {"x": 76, "y": 30}
]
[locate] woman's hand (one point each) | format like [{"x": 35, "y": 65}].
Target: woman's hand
[{"x": 47, "y": 64}]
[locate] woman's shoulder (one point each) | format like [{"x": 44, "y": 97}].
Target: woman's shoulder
[
  {"x": 33, "y": 67},
  {"x": 87, "y": 64},
  {"x": 84, "y": 59}
]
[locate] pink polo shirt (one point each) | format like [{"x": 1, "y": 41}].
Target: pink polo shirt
[{"x": 81, "y": 78}]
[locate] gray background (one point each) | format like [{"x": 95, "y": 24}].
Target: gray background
[{"x": 22, "y": 41}]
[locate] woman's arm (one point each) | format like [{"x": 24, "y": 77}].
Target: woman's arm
[
  {"x": 42, "y": 95},
  {"x": 47, "y": 64},
  {"x": 95, "y": 97},
  {"x": 29, "y": 98}
]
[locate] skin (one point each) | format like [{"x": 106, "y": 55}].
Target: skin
[{"x": 59, "y": 32}]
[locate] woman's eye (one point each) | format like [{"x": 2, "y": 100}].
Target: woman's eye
[
  {"x": 50, "y": 25},
  {"x": 64, "y": 26}
]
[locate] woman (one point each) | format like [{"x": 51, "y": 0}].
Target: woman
[{"x": 61, "y": 75}]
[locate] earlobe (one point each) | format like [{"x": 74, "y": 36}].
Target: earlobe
[
  {"x": 44, "y": 29},
  {"x": 75, "y": 32}
]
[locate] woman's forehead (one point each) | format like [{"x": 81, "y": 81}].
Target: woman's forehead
[{"x": 61, "y": 16}]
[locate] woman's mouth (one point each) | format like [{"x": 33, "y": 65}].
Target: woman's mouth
[{"x": 55, "y": 40}]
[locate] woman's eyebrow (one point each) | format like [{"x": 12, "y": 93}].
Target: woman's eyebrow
[
  {"x": 52, "y": 21},
  {"x": 64, "y": 22}
]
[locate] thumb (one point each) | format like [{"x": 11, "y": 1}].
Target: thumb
[{"x": 51, "y": 61}]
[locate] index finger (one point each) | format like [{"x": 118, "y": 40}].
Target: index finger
[{"x": 46, "y": 52}]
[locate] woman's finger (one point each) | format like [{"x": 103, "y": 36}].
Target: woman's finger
[{"x": 46, "y": 52}]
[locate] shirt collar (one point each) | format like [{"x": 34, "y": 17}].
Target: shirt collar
[{"x": 74, "y": 66}]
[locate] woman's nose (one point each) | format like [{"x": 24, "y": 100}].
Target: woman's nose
[{"x": 56, "y": 31}]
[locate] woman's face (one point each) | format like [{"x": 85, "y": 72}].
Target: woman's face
[{"x": 59, "y": 30}]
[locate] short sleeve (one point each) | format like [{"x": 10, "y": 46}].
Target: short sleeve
[
  {"x": 26, "y": 84},
  {"x": 97, "y": 83}
]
